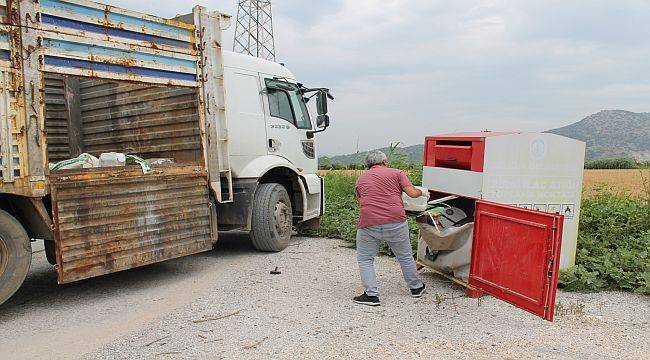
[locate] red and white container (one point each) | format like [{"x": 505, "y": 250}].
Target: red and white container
[{"x": 525, "y": 191}]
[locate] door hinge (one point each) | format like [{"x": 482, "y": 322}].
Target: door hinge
[{"x": 550, "y": 269}]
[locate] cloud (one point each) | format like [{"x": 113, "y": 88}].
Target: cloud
[{"x": 404, "y": 69}]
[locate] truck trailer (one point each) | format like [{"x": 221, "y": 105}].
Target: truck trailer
[{"x": 228, "y": 140}]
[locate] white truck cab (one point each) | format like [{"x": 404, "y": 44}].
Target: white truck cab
[{"x": 271, "y": 143}]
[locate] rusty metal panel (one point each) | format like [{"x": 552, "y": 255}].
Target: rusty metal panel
[
  {"x": 21, "y": 126},
  {"x": 29, "y": 60},
  {"x": 9, "y": 157},
  {"x": 113, "y": 219},
  {"x": 3, "y": 12},
  {"x": 12, "y": 139},
  {"x": 213, "y": 99},
  {"x": 5, "y": 45},
  {"x": 149, "y": 121},
  {"x": 56, "y": 118},
  {"x": 90, "y": 39}
]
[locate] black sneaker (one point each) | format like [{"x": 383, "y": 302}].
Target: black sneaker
[
  {"x": 416, "y": 293},
  {"x": 366, "y": 300}
]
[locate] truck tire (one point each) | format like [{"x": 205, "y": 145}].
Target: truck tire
[
  {"x": 272, "y": 219},
  {"x": 15, "y": 255}
]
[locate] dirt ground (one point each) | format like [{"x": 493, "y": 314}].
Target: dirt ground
[{"x": 226, "y": 304}]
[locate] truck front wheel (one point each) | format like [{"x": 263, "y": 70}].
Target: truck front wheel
[
  {"x": 15, "y": 255},
  {"x": 272, "y": 218}
]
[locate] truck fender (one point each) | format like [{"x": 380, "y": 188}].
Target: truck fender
[
  {"x": 263, "y": 164},
  {"x": 311, "y": 187}
]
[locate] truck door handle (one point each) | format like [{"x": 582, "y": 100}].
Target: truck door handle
[{"x": 273, "y": 145}]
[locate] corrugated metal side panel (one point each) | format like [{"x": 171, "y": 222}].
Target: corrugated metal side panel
[
  {"x": 56, "y": 118},
  {"x": 149, "y": 121},
  {"x": 114, "y": 219}
]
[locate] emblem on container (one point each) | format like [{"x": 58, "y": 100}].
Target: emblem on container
[{"x": 538, "y": 148}]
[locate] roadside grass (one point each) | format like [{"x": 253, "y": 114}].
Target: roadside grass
[
  {"x": 613, "y": 241},
  {"x": 342, "y": 209},
  {"x": 613, "y": 245},
  {"x": 616, "y": 163}
]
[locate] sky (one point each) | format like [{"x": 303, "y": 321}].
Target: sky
[{"x": 404, "y": 69}]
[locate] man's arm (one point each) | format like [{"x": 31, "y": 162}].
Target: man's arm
[
  {"x": 407, "y": 187},
  {"x": 412, "y": 191}
]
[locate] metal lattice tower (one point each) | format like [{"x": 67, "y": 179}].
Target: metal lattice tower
[{"x": 254, "y": 29}]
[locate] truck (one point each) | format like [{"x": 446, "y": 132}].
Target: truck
[{"x": 225, "y": 141}]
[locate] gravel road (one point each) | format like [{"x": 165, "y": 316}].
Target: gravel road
[{"x": 226, "y": 304}]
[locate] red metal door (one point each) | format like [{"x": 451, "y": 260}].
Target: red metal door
[{"x": 516, "y": 256}]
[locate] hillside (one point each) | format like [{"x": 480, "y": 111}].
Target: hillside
[
  {"x": 414, "y": 154},
  {"x": 608, "y": 134},
  {"x": 612, "y": 133}
]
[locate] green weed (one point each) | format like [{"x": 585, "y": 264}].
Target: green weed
[
  {"x": 613, "y": 245},
  {"x": 615, "y": 163},
  {"x": 342, "y": 209}
]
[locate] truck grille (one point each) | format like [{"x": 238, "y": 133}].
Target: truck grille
[{"x": 308, "y": 149}]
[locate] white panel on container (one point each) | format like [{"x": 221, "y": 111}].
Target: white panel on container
[
  {"x": 452, "y": 181},
  {"x": 537, "y": 171}
]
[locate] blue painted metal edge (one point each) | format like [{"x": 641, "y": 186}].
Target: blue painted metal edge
[
  {"x": 117, "y": 53},
  {"x": 114, "y": 68},
  {"x": 104, "y": 30},
  {"x": 114, "y": 17}
]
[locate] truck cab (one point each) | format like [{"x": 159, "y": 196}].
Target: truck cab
[{"x": 272, "y": 149}]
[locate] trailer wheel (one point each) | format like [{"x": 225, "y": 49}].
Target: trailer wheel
[
  {"x": 272, "y": 218},
  {"x": 15, "y": 255}
]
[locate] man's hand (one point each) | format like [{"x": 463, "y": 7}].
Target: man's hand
[{"x": 412, "y": 191}]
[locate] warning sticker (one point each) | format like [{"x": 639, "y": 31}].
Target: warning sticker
[
  {"x": 539, "y": 207},
  {"x": 555, "y": 208},
  {"x": 568, "y": 210}
]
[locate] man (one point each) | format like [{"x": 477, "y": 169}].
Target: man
[{"x": 382, "y": 217}]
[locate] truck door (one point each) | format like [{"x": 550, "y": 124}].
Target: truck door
[
  {"x": 516, "y": 256},
  {"x": 288, "y": 122}
]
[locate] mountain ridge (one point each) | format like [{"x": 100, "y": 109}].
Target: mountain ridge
[{"x": 607, "y": 134}]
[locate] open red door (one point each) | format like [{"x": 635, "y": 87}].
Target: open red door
[{"x": 516, "y": 256}]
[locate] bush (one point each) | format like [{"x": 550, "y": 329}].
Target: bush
[
  {"x": 616, "y": 163},
  {"x": 342, "y": 209},
  {"x": 613, "y": 245}
]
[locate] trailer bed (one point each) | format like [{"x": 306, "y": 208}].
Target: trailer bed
[{"x": 112, "y": 219}]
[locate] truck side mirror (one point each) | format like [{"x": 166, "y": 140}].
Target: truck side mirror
[
  {"x": 322, "y": 121},
  {"x": 321, "y": 103}
]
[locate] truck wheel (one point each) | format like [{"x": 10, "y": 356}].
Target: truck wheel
[
  {"x": 272, "y": 218},
  {"x": 15, "y": 255}
]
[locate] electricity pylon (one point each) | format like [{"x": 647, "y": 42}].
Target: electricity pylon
[{"x": 254, "y": 29}]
